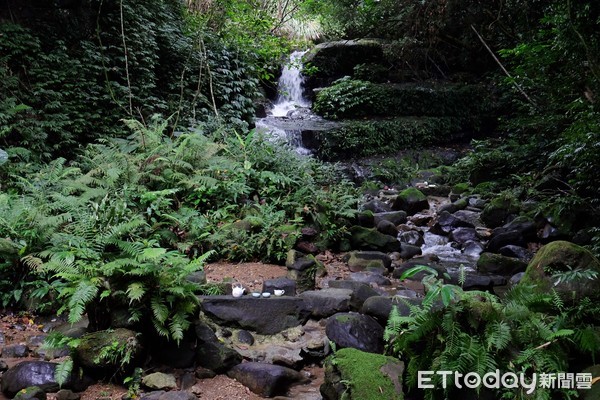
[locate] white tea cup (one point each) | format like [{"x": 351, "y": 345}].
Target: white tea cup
[{"x": 278, "y": 292}]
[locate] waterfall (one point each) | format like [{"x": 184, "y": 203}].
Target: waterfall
[{"x": 289, "y": 87}]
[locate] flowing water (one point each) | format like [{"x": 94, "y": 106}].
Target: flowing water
[{"x": 289, "y": 118}]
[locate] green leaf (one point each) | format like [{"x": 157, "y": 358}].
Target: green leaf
[
  {"x": 135, "y": 292},
  {"x": 63, "y": 372}
]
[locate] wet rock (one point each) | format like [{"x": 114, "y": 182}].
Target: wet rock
[
  {"x": 379, "y": 307},
  {"x": 498, "y": 264},
  {"x": 387, "y": 228},
  {"x": 477, "y": 202},
  {"x": 361, "y": 260},
  {"x": 470, "y": 218},
  {"x": 516, "y": 252},
  {"x": 506, "y": 238},
  {"x": 395, "y": 217},
  {"x": 370, "y": 277},
  {"x": 211, "y": 353},
  {"x": 384, "y": 380},
  {"x": 15, "y": 351},
  {"x": 408, "y": 251},
  {"x": 447, "y": 222},
  {"x": 464, "y": 235},
  {"x": 410, "y": 200},
  {"x": 361, "y": 291},
  {"x": 266, "y": 380},
  {"x": 245, "y": 337},
  {"x": 371, "y": 239},
  {"x": 473, "y": 249},
  {"x": 412, "y": 237},
  {"x": 262, "y": 315},
  {"x": 33, "y": 392},
  {"x": 326, "y": 302},
  {"x": 474, "y": 281},
  {"x": 37, "y": 373},
  {"x": 355, "y": 330},
  {"x": 159, "y": 380},
  {"x": 376, "y": 206}
]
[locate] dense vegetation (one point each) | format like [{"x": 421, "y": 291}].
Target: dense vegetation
[{"x": 127, "y": 158}]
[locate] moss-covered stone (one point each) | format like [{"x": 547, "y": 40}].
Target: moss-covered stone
[
  {"x": 498, "y": 211},
  {"x": 460, "y": 188},
  {"x": 371, "y": 239},
  {"x": 498, "y": 264},
  {"x": 111, "y": 349},
  {"x": 411, "y": 200},
  {"x": 355, "y": 375},
  {"x": 560, "y": 256}
]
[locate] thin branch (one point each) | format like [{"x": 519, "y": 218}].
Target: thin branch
[
  {"x": 126, "y": 60},
  {"x": 516, "y": 85}
]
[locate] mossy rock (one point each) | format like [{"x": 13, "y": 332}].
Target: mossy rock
[
  {"x": 560, "y": 256},
  {"x": 461, "y": 188},
  {"x": 411, "y": 200},
  {"x": 371, "y": 239},
  {"x": 498, "y": 211},
  {"x": 498, "y": 264},
  {"x": 109, "y": 350},
  {"x": 356, "y": 375},
  {"x": 362, "y": 260}
]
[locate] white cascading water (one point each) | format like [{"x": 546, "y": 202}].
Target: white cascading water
[{"x": 289, "y": 87}]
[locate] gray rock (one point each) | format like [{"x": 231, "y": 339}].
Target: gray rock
[
  {"x": 33, "y": 392},
  {"x": 376, "y": 206},
  {"x": 408, "y": 251},
  {"x": 3, "y": 366},
  {"x": 412, "y": 237},
  {"x": 361, "y": 291},
  {"x": 159, "y": 380},
  {"x": 379, "y": 307},
  {"x": 515, "y": 279},
  {"x": 326, "y": 302},
  {"x": 360, "y": 260},
  {"x": 198, "y": 277},
  {"x": 371, "y": 239},
  {"x": 464, "y": 235},
  {"x": 497, "y": 264},
  {"x": 15, "y": 351},
  {"x": 262, "y": 315},
  {"x": 36, "y": 340},
  {"x": 211, "y": 353},
  {"x": 470, "y": 218},
  {"x": 245, "y": 337},
  {"x": 473, "y": 249},
  {"x": 477, "y": 202},
  {"x": 395, "y": 217},
  {"x": 502, "y": 239},
  {"x": 66, "y": 394},
  {"x": 204, "y": 373},
  {"x": 355, "y": 330},
  {"x": 516, "y": 252},
  {"x": 447, "y": 222},
  {"x": 370, "y": 277},
  {"x": 289, "y": 285},
  {"x": 387, "y": 228},
  {"x": 266, "y": 380},
  {"x": 37, "y": 373}
]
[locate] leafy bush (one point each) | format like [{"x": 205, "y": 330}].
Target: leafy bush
[{"x": 477, "y": 332}]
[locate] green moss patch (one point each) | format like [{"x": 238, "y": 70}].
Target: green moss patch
[{"x": 367, "y": 376}]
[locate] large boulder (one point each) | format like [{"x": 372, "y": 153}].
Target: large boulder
[
  {"x": 266, "y": 380},
  {"x": 492, "y": 263},
  {"x": 361, "y": 291},
  {"x": 211, "y": 353},
  {"x": 411, "y": 200},
  {"x": 361, "y": 260},
  {"x": 560, "y": 256},
  {"x": 262, "y": 315},
  {"x": 37, "y": 373},
  {"x": 326, "y": 302},
  {"x": 371, "y": 239},
  {"x": 356, "y": 375},
  {"x": 355, "y": 330},
  {"x": 499, "y": 211},
  {"x": 106, "y": 351}
]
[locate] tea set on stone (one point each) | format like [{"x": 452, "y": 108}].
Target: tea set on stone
[{"x": 237, "y": 290}]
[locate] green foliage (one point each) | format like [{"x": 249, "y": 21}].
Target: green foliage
[
  {"x": 365, "y": 138},
  {"x": 525, "y": 332},
  {"x": 346, "y": 98}
]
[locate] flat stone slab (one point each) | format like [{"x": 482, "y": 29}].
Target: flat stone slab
[
  {"x": 326, "y": 302},
  {"x": 262, "y": 315}
]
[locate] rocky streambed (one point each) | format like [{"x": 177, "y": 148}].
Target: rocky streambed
[{"x": 277, "y": 346}]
